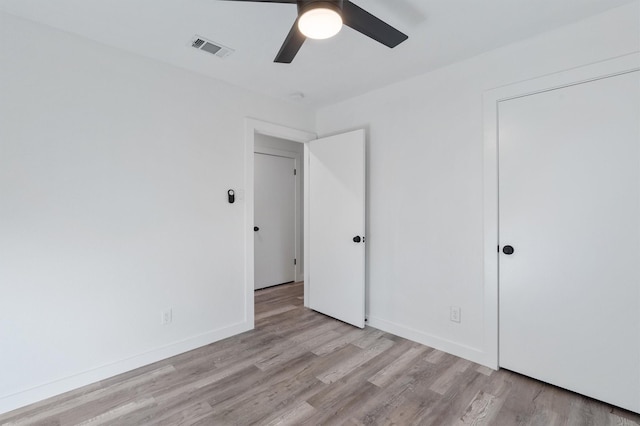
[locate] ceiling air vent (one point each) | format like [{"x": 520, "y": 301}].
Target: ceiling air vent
[{"x": 211, "y": 47}]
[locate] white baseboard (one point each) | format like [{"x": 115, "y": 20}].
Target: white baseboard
[
  {"x": 47, "y": 390},
  {"x": 463, "y": 351}
]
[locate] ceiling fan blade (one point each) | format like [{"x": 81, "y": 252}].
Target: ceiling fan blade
[
  {"x": 364, "y": 22},
  {"x": 266, "y": 1},
  {"x": 291, "y": 45}
]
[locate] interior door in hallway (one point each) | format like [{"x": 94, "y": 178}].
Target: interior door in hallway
[
  {"x": 274, "y": 220},
  {"x": 336, "y": 197},
  {"x": 569, "y": 187}
]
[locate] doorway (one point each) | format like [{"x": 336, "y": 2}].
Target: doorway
[
  {"x": 339, "y": 159},
  {"x": 258, "y": 129}
]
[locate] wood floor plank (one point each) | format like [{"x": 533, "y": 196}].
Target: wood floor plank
[
  {"x": 296, "y": 416},
  {"x": 484, "y": 370},
  {"x": 391, "y": 371},
  {"x": 342, "y": 369},
  {"x": 337, "y": 403},
  {"x": 519, "y": 407},
  {"x": 449, "y": 377},
  {"x": 343, "y": 340},
  {"x": 96, "y": 398},
  {"x": 376, "y": 410},
  {"x": 454, "y": 402},
  {"x": 369, "y": 337},
  {"x": 435, "y": 356},
  {"x": 118, "y": 412},
  {"x": 273, "y": 312},
  {"x": 226, "y": 397},
  {"x": 482, "y": 410},
  {"x": 300, "y": 367}
]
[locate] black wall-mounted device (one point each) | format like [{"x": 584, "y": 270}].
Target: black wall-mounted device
[{"x": 232, "y": 196}]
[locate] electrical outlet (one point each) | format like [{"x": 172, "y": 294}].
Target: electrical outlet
[
  {"x": 454, "y": 314},
  {"x": 167, "y": 316}
]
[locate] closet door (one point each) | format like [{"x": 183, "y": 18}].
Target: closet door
[
  {"x": 274, "y": 220},
  {"x": 569, "y": 280}
]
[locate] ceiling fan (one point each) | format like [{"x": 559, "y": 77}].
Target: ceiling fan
[{"x": 320, "y": 19}]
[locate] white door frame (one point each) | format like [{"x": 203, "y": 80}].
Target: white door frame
[
  {"x": 253, "y": 126},
  {"x": 297, "y": 230},
  {"x": 491, "y": 99}
]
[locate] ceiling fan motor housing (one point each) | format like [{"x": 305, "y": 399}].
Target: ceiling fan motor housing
[{"x": 307, "y": 5}]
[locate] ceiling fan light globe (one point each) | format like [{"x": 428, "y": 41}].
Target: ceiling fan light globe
[{"x": 320, "y": 23}]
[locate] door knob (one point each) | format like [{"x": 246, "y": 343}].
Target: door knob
[
  {"x": 256, "y": 229},
  {"x": 357, "y": 239},
  {"x": 508, "y": 250}
]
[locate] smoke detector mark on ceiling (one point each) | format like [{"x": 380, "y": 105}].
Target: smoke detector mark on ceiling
[{"x": 212, "y": 47}]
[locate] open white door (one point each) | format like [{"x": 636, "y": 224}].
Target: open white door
[{"x": 336, "y": 214}]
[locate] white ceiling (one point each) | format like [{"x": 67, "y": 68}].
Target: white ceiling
[{"x": 440, "y": 32}]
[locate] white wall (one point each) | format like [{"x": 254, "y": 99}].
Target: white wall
[
  {"x": 425, "y": 141},
  {"x": 266, "y": 141},
  {"x": 113, "y": 178}
]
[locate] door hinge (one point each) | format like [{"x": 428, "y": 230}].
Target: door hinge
[
  {"x": 295, "y": 172},
  {"x": 295, "y": 261}
]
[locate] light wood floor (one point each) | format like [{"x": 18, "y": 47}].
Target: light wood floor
[{"x": 301, "y": 368}]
